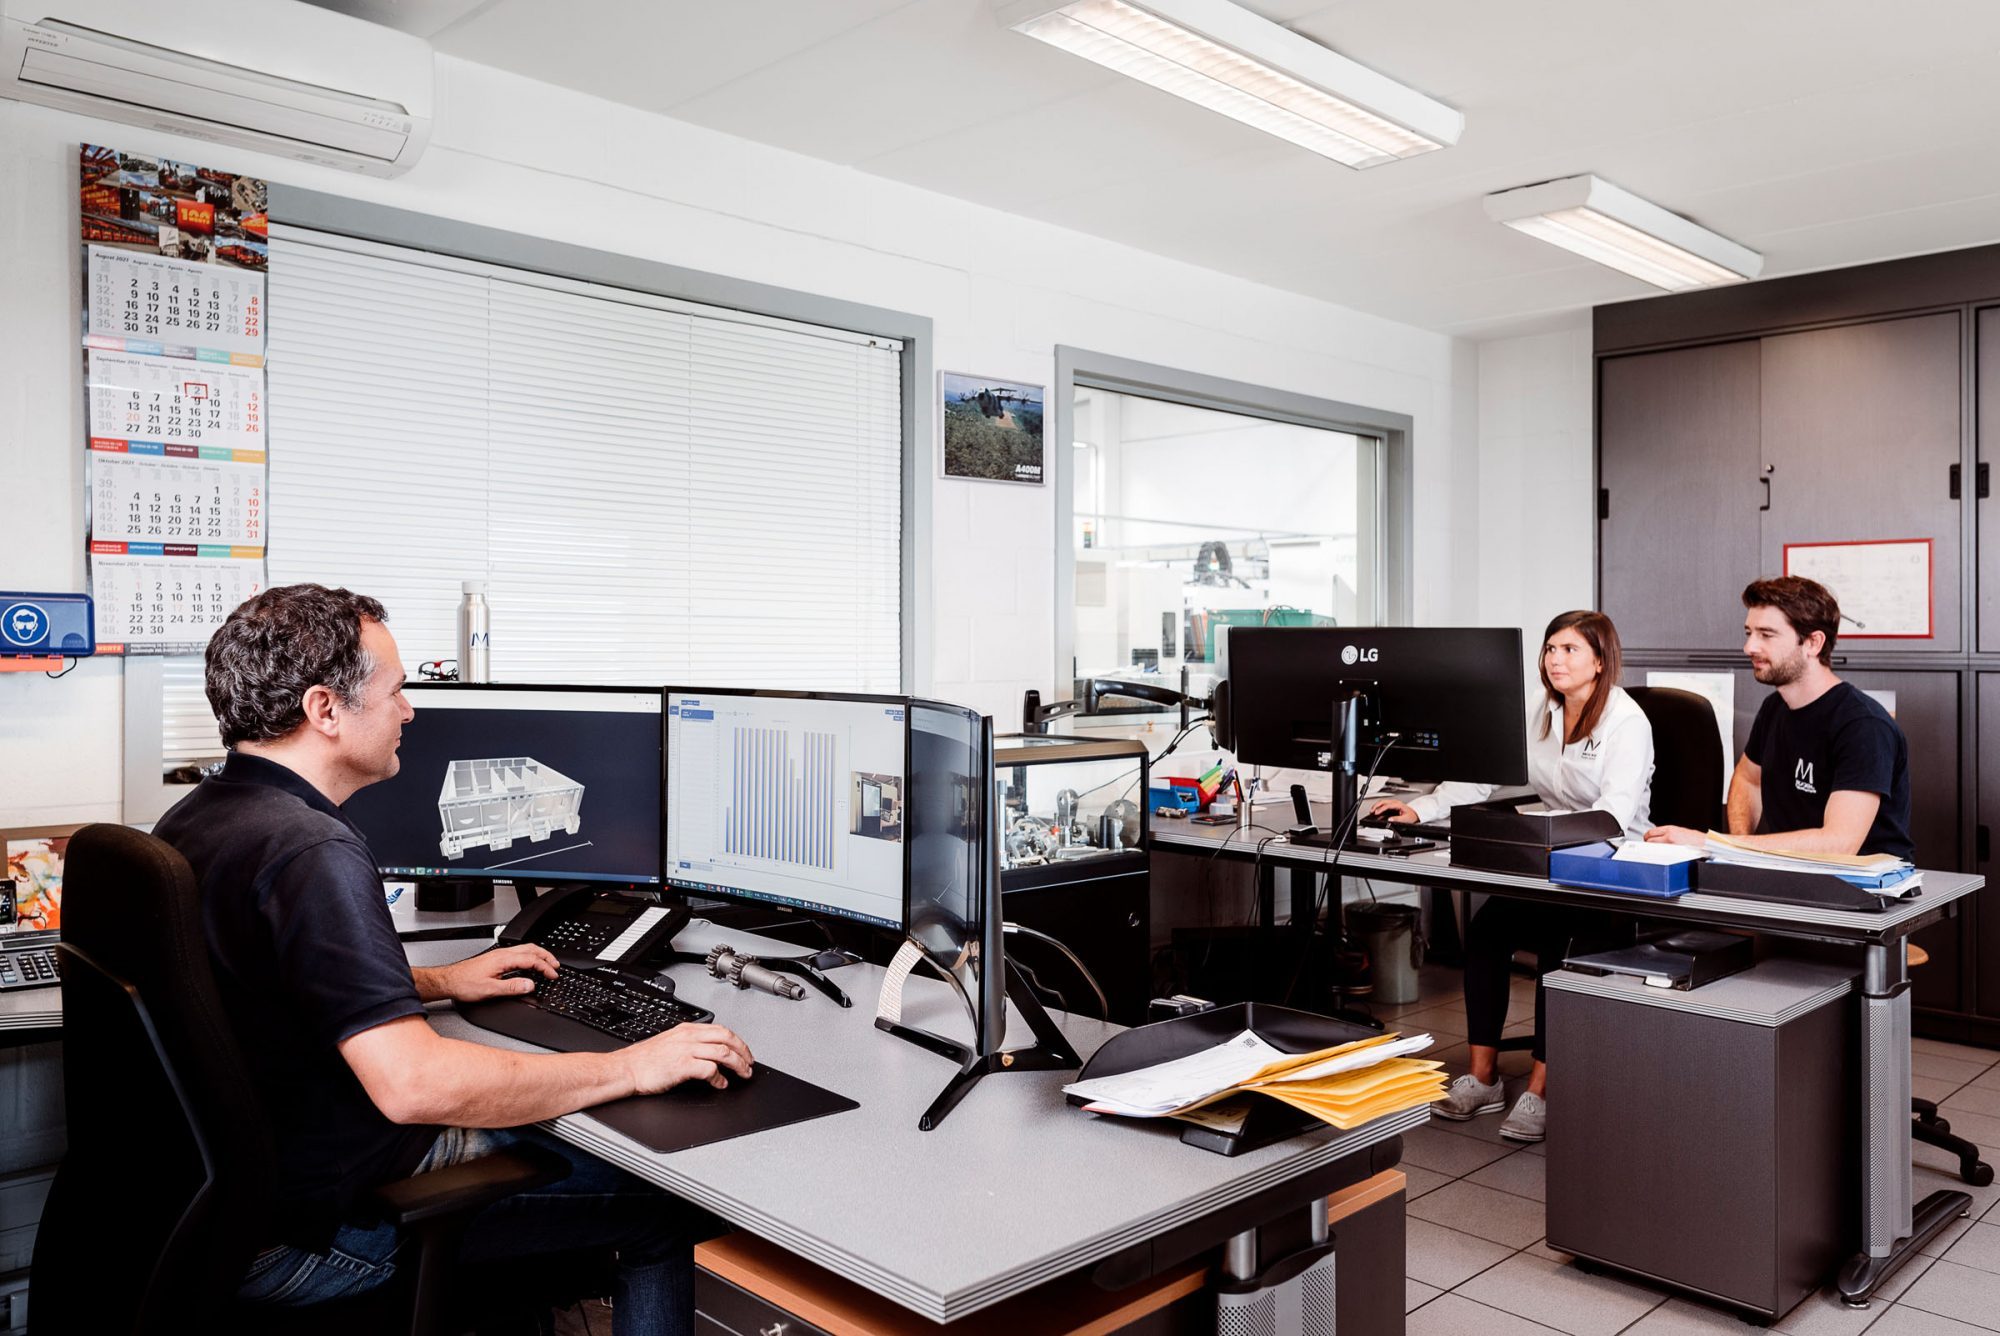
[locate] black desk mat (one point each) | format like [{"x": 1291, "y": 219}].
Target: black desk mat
[{"x": 693, "y": 1113}]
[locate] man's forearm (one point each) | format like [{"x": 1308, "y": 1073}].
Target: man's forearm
[
  {"x": 1816, "y": 840},
  {"x": 1745, "y": 806},
  {"x": 471, "y": 1085},
  {"x": 430, "y": 984}
]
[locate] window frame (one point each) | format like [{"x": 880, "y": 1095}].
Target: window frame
[
  {"x": 147, "y": 795},
  {"x": 1081, "y": 367}
]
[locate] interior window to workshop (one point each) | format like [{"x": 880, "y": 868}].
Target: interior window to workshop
[{"x": 1190, "y": 519}]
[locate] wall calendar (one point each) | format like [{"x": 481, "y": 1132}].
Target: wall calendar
[{"x": 174, "y": 324}]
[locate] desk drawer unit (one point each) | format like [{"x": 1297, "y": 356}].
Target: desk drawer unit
[{"x": 1707, "y": 1139}]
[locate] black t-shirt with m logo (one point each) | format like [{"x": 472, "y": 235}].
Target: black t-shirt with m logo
[{"x": 1843, "y": 740}]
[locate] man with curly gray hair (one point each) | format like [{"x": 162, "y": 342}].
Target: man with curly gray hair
[{"x": 307, "y": 685}]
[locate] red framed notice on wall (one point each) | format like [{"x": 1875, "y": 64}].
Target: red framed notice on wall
[{"x": 1883, "y": 585}]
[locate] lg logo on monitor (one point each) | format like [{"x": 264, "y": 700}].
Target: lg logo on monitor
[{"x": 1353, "y": 654}]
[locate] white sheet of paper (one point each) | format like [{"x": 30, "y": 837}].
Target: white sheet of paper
[
  {"x": 1169, "y": 1085},
  {"x": 1639, "y": 851}
]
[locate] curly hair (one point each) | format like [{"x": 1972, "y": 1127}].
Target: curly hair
[{"x": 279, "y": 645}]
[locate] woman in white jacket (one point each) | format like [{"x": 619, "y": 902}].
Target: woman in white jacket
[{"x": 1589, "y": 746}]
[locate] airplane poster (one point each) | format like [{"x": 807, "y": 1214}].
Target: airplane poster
[{"x": 992, "y": 428}]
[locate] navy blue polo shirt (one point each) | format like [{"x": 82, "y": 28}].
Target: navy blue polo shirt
[{"x": 305, "y": 956}]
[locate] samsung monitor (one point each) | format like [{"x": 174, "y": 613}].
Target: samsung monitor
[
  {"x": 522, "y": 783},
  {"x": 796, "y": 799}
]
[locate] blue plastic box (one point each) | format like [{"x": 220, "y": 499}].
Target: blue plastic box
[
  {"x": 1173, "y": 793},
  {"x": 1592, "y": 866}
]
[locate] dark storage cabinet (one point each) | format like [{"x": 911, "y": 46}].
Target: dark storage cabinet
[
  {"x": 1859, "y": 404},
  {"x": 1713, "y": 1144},
  {"x": 1678, "y": 440}
]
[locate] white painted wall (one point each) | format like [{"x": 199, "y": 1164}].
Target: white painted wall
[
  {"x": 1535, "y": 533},
  {"x": 511, "y": 153}
]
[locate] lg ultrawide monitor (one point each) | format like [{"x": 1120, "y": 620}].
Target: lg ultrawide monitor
[
  {"x": 522, "y": 783},
  {"x": 790, "y": 798}
]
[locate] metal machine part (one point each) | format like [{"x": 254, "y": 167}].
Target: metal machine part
[{"x": 745, "y": 972}]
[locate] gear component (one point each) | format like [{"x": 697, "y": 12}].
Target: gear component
[{"x": 743, "y": 971}]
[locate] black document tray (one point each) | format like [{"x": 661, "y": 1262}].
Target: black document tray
[
  {"x": 693, "y": 1113},
  {"x": 1282, "y": 1028},
  {"x": 1496, "y": 837},
  {"x": 1820, "y": 890},
  {"x": 1688, "y": 959}
]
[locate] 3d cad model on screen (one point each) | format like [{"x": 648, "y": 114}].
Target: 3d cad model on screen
[{"x": 498, "y": 800}]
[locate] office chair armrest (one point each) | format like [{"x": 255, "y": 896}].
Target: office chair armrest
[{"x": 471, "y": 1186}]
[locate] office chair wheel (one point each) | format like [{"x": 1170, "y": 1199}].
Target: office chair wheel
[
  {"x": 1979, "y": 1175},
  {"x": 1943, "y": 1128}
]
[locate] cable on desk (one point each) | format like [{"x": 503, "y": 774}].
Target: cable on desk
[
  {"x": 1330, "y": 860},
  {"x": 1151, "y": 761}
]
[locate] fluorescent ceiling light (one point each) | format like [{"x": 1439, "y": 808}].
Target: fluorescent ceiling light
[
  {"x": 1614, "y": 227},
  {"x": 1225, "y": 58}
]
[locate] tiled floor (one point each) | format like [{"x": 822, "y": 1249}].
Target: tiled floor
[{"x": 1478, "y": 1264}]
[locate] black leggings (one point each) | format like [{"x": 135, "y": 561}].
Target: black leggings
[{"x": 1503, "y": 926}]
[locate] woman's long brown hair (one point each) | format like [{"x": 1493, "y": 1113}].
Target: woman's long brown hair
[{"x": 1602, "y": 637}]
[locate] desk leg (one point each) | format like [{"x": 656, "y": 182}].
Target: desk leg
[{"x": 1893, "y": 1229}]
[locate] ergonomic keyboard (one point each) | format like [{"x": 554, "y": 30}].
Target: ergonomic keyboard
[
  {"x": 28, "y": 964},
  {"x": 623, "y": 1006}
]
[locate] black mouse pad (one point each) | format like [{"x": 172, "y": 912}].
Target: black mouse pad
[{"x": 693, "y": 1113}]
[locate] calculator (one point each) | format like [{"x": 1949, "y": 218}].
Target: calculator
[{"x": 28, "y": 960}]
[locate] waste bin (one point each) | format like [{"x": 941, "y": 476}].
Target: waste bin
[{"x": 1388, "y": 933}]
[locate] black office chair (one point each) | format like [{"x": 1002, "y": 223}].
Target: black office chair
[
  {"x": 1687, "y": 771},
  {"x": 1687, "y": 758},
  {"x": 164, "y": 1195}
]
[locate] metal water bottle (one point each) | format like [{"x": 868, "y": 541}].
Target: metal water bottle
[{"x": 474, "y": 634}]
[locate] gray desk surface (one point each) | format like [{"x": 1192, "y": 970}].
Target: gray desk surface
[
  {"x": 1015, "y": 1188},
  {"x": 1434, "y": 868}
]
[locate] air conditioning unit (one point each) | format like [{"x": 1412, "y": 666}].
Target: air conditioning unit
[{"x": 271, "y": 75}]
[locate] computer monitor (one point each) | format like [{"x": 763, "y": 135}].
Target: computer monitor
[
  {"x": 1448, "y": 702},
  {"x": 790, "y": 798},
  {"x": 540, "y": 784}
]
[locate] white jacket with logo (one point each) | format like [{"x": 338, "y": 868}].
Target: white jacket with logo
[{"x": 1611, "y": 770}]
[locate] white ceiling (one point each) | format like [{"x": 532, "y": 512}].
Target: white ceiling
[{"x": 1820, "y": 132}]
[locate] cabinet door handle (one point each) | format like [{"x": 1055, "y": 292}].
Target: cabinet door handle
[{"x": 1767, "y": 494}]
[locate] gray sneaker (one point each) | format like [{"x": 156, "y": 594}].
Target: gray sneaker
[
  {"x": 1468, "y": 1097},
  {"x": 1530, "y": 1119}
]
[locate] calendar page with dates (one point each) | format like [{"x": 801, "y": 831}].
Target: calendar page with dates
[
  {"x": 149, "y": 405},
  {"x": 143, "y": 300},
  {"x": 168, "y": 598},
  {"x": 176, "y": 501},
  {"x": 174, "y": 324}
]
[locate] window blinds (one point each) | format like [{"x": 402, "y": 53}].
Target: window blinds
[{"x": 654, "y": 492}]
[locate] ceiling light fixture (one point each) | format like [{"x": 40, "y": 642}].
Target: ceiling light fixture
[
  {"x": 1227, "y": 59},
  {"x": 1614, "y": 227}
]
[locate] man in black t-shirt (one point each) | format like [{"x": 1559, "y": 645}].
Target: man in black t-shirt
[
  {"x": 1826, "y": 770},
  {"x": 307, "y": 686}
]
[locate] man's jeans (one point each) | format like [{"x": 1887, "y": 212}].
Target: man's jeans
[{"x": 596, "y": 1206}]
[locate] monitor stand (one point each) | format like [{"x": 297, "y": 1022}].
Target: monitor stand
[{"x": 1051, "y": 1051}]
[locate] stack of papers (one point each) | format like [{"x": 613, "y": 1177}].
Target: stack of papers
[
  {"x": 1345, "y": 1086},
  {"x": 1883, "y": 874}
]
